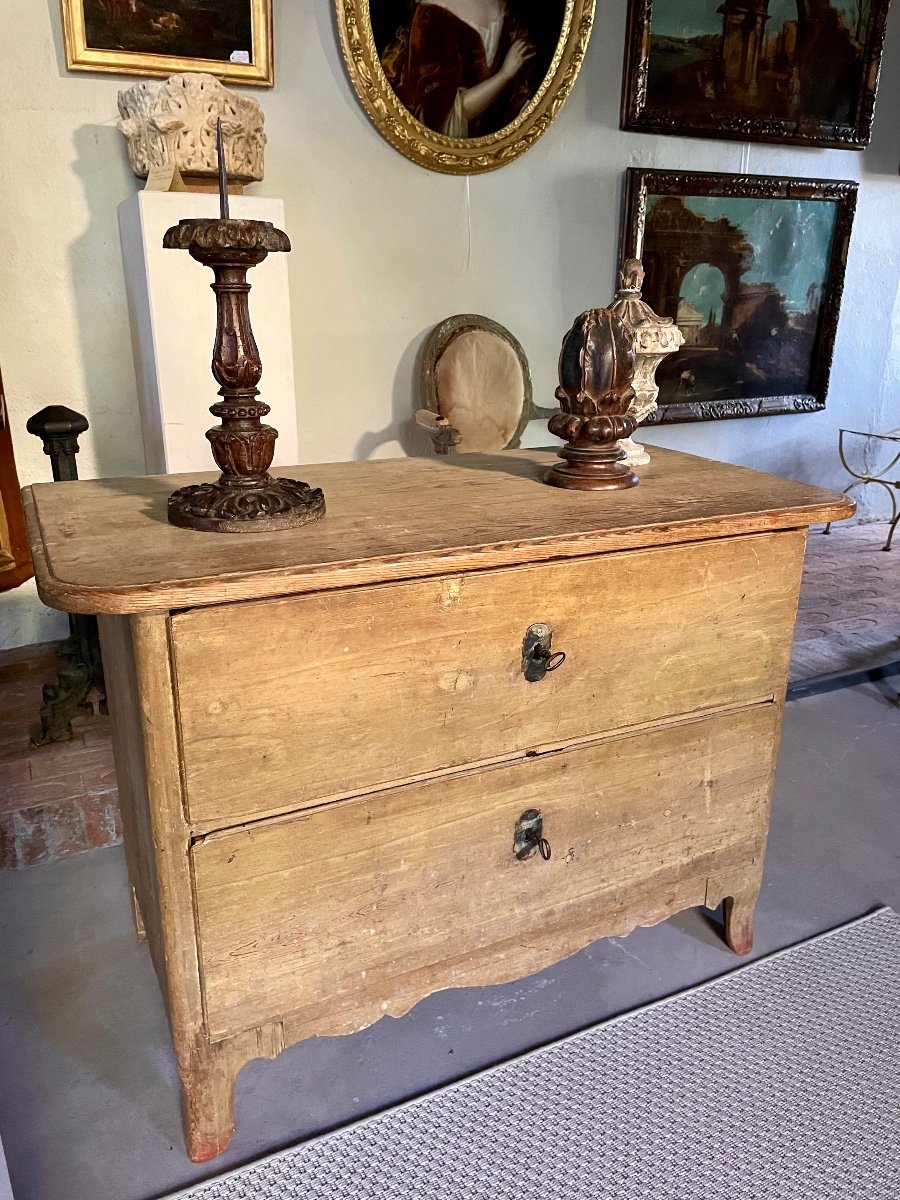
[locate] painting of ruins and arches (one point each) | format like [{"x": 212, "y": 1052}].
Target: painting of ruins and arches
[
  {"x": 752, "y": 269},
  {"x": 802, "y": 72},
  {"x": 231, "y": 39}
]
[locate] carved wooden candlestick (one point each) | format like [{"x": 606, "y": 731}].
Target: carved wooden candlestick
[
  {"x": 596, "y": 368},
  {"x": 245, "y": 498}
]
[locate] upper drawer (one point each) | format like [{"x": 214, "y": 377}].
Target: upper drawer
[{"x": 285, "y": 703}]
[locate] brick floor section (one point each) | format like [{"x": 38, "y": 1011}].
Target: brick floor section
[{"x": 57, "y": 799}]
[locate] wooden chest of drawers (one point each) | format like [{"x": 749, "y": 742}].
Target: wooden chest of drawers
[{"x": 340, "y": 747}]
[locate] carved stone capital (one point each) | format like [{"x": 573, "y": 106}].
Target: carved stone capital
[{"x": 174, "y": 124}]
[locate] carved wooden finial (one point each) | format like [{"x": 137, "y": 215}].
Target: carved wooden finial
[
  {"x": 596, "y": 367},
  {"x": 631, "y": 275}
]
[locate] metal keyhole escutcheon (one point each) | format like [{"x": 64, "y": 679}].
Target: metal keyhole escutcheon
[
  {"x": 529, "y": 836},
  {"x": 538, "y": 657}
]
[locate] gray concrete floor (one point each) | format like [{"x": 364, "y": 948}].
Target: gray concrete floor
[{"x": 88, "y": 1093}]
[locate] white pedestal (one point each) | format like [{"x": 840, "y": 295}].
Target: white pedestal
[{"x": 173, "y": 324}]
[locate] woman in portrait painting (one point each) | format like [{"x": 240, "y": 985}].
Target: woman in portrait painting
[{"x": 462, "y": 67}]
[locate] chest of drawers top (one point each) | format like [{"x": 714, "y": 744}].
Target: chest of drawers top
[{"x": 104, "y": 546}]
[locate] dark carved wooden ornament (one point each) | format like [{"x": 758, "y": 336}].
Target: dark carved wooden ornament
[
  {"x": 596, "y": 368},
  {"x": 245, "y": 498}
]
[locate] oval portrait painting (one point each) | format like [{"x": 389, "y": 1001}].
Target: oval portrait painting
[{"x": 463, "y": 85}]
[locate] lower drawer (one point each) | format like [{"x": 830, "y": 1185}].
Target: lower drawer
[{"x": 368, "y": 905}]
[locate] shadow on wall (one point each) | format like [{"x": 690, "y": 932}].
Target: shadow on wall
[
  {"x": 405, "y": 399},
  {"x": 882, "y": 156},
  {"x": 55, "y": 22},
  {"x": 600, "y": 87},
  {"x": 98, "y": 289},
  {"x": 589, "y": 206}
]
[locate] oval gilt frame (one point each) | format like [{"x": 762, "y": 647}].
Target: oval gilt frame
[
  {"x": 437, "y": 151},
  {"x": 446, "y": 332}
]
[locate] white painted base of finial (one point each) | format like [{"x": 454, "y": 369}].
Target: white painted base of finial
[
  {"x": 654, "y": 338},
  {"x": 635, "y": 453},
  {"x": 652, "y": 344}
]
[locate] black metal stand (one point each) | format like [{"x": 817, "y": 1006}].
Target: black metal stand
[{"x": 82, "y": 672}]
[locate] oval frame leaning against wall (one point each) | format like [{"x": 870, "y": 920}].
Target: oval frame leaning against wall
[{"x": 437, "y": 151}]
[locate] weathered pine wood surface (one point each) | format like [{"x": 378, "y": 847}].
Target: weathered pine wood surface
[
  {"x": 426, "y": 676},
  {"x": 105, "y": 546},
  {"x": 368, "y": 905},
  {"x": 324, "y": 738},
  {"x": 157, "y": 840}
]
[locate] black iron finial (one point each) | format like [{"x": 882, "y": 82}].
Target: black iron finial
[{"x": 223, "y": 172}]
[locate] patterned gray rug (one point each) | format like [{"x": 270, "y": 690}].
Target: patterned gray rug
[{"x": 780, "y": 1081}]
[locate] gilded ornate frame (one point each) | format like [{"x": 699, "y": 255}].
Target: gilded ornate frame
[
  {"x": 639, "y": 117},
  {"x": 260, "y": 72},
  {"x": 436, "y": 151},
  {"x": 640, "y": 182}
]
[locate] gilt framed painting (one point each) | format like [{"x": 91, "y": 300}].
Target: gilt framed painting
[
  {"x": 751, "y": 267},
  {"x": 231, "y": 39},
  {"x": 800, "y": 72},
  {"x": 463, "y": 86}
]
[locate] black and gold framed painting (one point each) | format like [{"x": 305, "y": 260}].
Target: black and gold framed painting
[
  {"x": 751, "y": 267},
  {"x": 231, "y": 39},
  {"x": 463, "y": 86},
  {"x": 800, "y": 72}
]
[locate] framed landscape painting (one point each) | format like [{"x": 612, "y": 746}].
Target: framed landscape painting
[
  {"x": 463, "y": 87},
  {"x": 801, "y": 72},
  {"x": 751, "y": 267},
  {"x": 231, "y": 39}
]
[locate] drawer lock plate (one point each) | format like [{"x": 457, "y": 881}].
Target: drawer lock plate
[
  {"x": 529, "y": 836},
  {"x": 538, "y": 656}
]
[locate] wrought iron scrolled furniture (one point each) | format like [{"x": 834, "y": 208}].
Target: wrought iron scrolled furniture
[{"x": 82, "y": 672}]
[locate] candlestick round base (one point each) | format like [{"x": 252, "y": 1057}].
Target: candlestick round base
[{"x": 266, "y": 507}]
